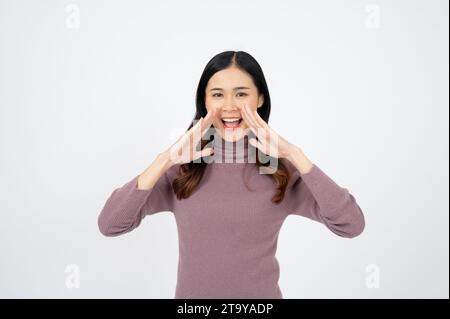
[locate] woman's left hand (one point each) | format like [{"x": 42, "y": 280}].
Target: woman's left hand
[
  {"x": 272, "y": 144},
  {"x": 269, "y": 142}
]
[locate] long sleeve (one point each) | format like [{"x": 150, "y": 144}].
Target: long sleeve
[
  {"x": 316, "y": 196},
  {"x": 127, "y": 206}
]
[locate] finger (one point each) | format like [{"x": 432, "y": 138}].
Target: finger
[
  {"x": 264, "y": 129},
  {"x": 252, "y": 116},
  {"x": 208, "y": 120},
  {"x": 247, "y": 119},
  {"x": 258, "y": 130},
  {"x": 182, "y": 150},
  {"x": 207, "y": 151},
  {"x": 263, "y": 137},
  {"x": 184, "y": 145},
  {"x": 258, "y": 118},
  {"x": 198, "y": 124},
  {"x": 189, "y": 133},
  {"x": 256, "y": 144},
  {"x": 249, "y": 124},
  {"x": 261, "y": 133},
  {"x": 255, "y": 131},
  {"x": 203, "y": 153},
  {"x": 195, "y": 137}
]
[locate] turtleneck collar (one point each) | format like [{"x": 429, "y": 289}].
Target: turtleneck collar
[{"x": 230, "y": 152}]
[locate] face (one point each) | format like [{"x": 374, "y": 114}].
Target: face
[{"x": 227, "y": 91}]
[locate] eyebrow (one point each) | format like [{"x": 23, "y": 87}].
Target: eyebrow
[{"x": 236, "y": 88}]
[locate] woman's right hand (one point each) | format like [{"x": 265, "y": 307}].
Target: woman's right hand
[
  {"x": 181, "y": 151},
  {"x": 184, "y": 149}
]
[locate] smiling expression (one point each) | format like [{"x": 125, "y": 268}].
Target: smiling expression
[{"x": 227, "y": 91}]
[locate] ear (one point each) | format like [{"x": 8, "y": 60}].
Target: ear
[{"x": 260, "y": 100}]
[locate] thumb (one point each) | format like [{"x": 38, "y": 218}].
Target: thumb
[{"x": 207, "y": 151}]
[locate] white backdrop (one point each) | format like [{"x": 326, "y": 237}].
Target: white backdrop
[{"x": 91, "y": 91}]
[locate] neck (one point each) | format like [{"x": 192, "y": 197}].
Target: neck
[{"x": 230, "y": 152}]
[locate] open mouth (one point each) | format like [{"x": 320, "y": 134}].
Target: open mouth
[{"x": 231, "y": 122}]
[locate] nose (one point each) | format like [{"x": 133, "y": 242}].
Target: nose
[{"x": 231, "y": 105}]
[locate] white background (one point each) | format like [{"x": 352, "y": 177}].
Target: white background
[{"x": 91, "y": 91}]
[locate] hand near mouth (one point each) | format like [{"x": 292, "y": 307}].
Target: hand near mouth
[
  {"x": 184, "y": 149},
  {"x": 269, "y": 142}
]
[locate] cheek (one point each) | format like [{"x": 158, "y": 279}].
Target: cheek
[
  {"x": 251, "y": 101},
  {"x": 210, "y": 104}
]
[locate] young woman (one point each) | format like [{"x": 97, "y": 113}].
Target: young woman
[{"x": 229, "y": 205}]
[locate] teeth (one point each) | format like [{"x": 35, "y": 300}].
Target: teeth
[{"x": 230, "y": 120}]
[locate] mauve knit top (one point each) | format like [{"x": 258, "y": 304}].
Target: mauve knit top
[{"x": 227, "y": 233}]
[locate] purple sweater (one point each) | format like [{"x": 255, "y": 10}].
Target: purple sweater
[{"x": 227, "y": 233}]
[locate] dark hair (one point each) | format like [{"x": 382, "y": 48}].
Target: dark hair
[{"x": 190, "y": 174}]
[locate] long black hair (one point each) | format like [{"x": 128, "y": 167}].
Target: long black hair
[
  {"x": 246, "y": 63},
  {"x": 190, "y": 174}
]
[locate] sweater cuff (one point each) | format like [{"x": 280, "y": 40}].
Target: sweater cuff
[
  {"x": 132, "y": 189},
  {"x": 133, "y": 196}
]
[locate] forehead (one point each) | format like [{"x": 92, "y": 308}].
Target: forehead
[{"x": 229, "y": 78}]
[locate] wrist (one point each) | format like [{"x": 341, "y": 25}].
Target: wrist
[
  {"x": 293, "y": 151},
  {"x": 300, "y": 160},
  {"x": 164, "y": 159}
]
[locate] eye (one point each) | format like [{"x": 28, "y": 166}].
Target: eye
[
  {"x": 242, "y": 94},
  {"x": 217, "y": 94}
]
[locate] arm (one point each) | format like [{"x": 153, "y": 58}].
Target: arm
[
  {"x": 151, "y": 192},
  {"x": 314, "y": 195},
  {"x": 148, "y": 193},
  {"x": 310, "y": 192}
]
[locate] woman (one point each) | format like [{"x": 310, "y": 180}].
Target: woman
[{"x": 229, "y": 204}]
